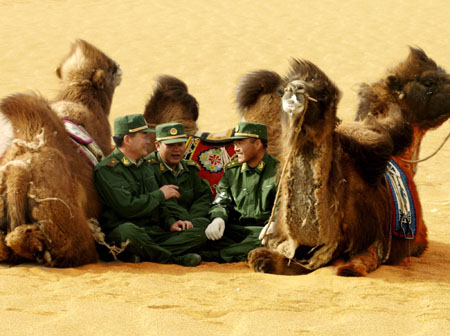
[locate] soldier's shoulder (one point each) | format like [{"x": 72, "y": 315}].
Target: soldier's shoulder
[
  {"x": 233, "y": 164},
  {"x": 191, "y": 163},
  {"x": 109, "y": 161},
  {"x": 151, "y": 158}
]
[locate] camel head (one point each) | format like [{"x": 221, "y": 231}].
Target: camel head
[
  {"x": 417, "y": 85},
  {"x": 85, "y": 65},
  {"x": 294, "y": 98},
  {"x": 309, "y": 95}
]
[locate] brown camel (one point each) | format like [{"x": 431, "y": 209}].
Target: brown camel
[
  {"x": 417, "y": 88},
  {"x": 48, "y": 195},
  {"x": 334, "y": 202},
  {"x": 421, "y": 90}
]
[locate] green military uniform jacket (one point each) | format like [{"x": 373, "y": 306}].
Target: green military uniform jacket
[
  {"x": 195, "y": 193},
  {"x": 246, "y": 195},
  {"x": 128, "y": 191}
]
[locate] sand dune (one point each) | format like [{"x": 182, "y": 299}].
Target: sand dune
[{"x": 209, "y": 45}]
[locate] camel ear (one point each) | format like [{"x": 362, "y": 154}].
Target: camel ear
[
  {"x": 58, "y": 72},
  {"x": 98, "y": 79},
  {"x": 393, "y": 84}
]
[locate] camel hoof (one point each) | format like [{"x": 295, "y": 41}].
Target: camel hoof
[
  {"x": 351, "y": 270},
  {"x": 263, "y": 260},
  {"x": 5, "y": 251},
  {"x": 27, "y": 241}
]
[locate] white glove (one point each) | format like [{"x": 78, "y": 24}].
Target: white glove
[
  {"x": 266, "y": 232},
  {"x": 215, "y": 229}
]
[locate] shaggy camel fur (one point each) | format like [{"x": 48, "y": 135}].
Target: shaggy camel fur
[
  {"x": 171, "y": 102},
  {"x": 258, "y": 99},
  {"x": 421, "y": 90},
  {"x": 334, "y": 201},
  {"x": 47, "y": 187}
]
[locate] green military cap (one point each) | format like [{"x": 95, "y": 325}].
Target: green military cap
[
  {"x": 250, "y": 130},
  {"x": 170, "y": 133},
  {"x": 131, "y": 123}
]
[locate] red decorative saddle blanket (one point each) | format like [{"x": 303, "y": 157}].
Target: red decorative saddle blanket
[{"x": 212, "y": 151}]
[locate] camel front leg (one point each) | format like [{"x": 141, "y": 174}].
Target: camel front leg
[
  {"x": 28, "y": 241},
  {"x": 16, "y": 185},
  {"x": 267, "y": 261},
  {"x": 5, "y": 251}
]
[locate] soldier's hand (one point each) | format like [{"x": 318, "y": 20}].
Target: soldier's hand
[
  {"x": 215, "y": 229},
  {"x": 180, "y": 225},
  {"x": 170, "y": 191}
]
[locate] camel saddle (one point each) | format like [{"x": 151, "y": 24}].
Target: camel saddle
[
  {"x": 404, "y": 214},
  {"x": 86, "y": 144},
  {"x": 212, "y": 151}
]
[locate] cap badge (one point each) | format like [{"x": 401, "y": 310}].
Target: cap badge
[{"x": 173, "y": 131}]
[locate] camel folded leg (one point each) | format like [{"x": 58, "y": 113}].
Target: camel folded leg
[
  {"x": 28, "y": 241},
  {"x": 17, "y": 184},
  {"x": 420, "y": 241},
  {"x": 59, "y": 235},
  {"x": 5, "y": 251},
  {"x": 268, "y": 261},
  {"x": 359, "y": 265}
]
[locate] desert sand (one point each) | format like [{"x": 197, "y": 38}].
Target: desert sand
[{"x": 210, "y": 45}]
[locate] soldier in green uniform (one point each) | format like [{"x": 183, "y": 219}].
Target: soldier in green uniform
[
  {"x": 134, "y": 203},
  {"x": 245, "y": 197},
  {"x": 191, "y": 208}
]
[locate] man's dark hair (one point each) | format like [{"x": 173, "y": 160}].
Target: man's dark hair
[
  {"x": 263, "y": 141},
  {"x": 118, "y": 139}
]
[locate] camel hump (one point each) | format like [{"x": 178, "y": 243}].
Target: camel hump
[
  {"x": 171, "y": 83},
  {"x": 170, "y": 91},
  {"x": 27, "y": 114},
  {"x": 255, "y": 84}
]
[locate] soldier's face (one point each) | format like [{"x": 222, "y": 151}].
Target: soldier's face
[
  {"x": 171, "y": 153},
  {"x": 246, "y": 149},
  {"x": 138, "y": 145}
]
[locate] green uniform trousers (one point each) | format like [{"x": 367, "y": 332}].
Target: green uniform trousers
[
  {"x": 152, "y": 243},
  {"x": 235, "y": 244}
]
